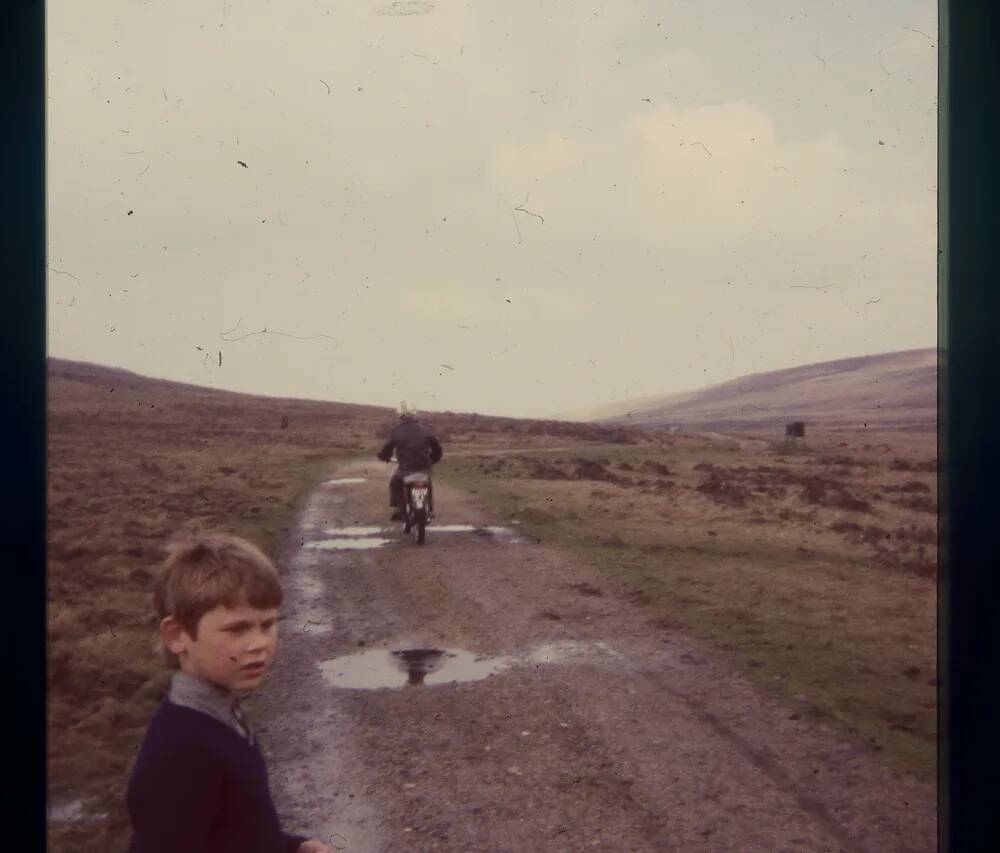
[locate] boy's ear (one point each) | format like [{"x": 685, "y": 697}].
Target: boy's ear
[{"x": 173, "y": 636}]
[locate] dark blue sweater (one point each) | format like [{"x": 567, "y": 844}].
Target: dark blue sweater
[{"x": 198, "y": 787}]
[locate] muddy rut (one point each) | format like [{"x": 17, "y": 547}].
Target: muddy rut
[{"x": 486, "y": 693}]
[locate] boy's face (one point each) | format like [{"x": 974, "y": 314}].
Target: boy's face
[{"x": 234, "y": 648}]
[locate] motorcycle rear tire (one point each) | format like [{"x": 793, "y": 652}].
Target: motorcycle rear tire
[{"x": 421, "y": 522}]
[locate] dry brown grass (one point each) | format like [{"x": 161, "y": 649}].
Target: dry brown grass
[
  {"x": 813, "y": 566},
  {"x": 128, "y": 468},
  {"x": 131, "y": 462}
]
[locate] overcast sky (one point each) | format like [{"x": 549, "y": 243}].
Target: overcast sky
[{"x": 520, "y": 207}]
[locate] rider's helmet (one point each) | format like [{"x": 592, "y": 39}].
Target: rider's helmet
[{"x": 406, "y": 412}]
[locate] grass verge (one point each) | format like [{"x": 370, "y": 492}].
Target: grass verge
[{"x": 812, "y": 619}]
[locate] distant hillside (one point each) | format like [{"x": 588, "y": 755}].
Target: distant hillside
[
  {"x": 896, "y": 390},
  {"x": 87, "y": 374},
  {"x": 77, "y": 387}
]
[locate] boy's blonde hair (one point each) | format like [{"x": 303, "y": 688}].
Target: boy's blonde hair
[{"x": 212, "y": 570}]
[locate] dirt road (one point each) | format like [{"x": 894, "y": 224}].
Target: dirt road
[{"x": 597, "y": 729}]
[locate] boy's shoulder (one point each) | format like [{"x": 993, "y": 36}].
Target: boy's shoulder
[{"x": 174, "y": 726}]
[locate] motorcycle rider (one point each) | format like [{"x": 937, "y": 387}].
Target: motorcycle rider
[{"x": 416, "y": 449}]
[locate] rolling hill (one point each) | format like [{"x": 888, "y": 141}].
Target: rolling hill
[{"x": 892, "y": 390}]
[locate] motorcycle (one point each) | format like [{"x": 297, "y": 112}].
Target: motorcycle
[{"x": 417, "y": 509}]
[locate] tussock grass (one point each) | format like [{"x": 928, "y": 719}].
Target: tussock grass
[
  {"x": 133, "y": 461},
  {"x": 838, "y": 625}
]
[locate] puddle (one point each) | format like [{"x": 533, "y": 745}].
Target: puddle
[
  {"x": 351, "y": 543},
  {"x": 420, "y": 662},
  {"x": 73, "y": 812},
  {"x": 353, "y": 531},
  {"x": 504, "y": 533},
  {"x": 567, "y": 650},
  {"x": 381, "y": 668},
  {"x": 344, "y": 481}
]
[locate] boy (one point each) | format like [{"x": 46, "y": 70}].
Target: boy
[{"x": 200, "y": 784}]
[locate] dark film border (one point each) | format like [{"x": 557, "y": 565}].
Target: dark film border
[{"x": 969, "y": 384}]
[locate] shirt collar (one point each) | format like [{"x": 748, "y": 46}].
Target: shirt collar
[{"x": 200, "y": 695}]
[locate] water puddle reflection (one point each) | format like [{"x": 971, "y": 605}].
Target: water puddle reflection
[
  {"x": 353, "y": 531},
  {"x": 563, "y": 650},
  {"x": 344, "y": 481},
  {"x": 501, "y": 533},
  {"x": 381, "y": 668},
  {"x": 349, "y": 543}
]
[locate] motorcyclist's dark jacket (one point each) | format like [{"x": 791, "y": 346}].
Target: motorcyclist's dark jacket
[{"x": 415, "y": 445}]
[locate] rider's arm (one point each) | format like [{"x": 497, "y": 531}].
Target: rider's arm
[
  {"x": 436, "y": 451},
  {"x": 385, "y": 454}
]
